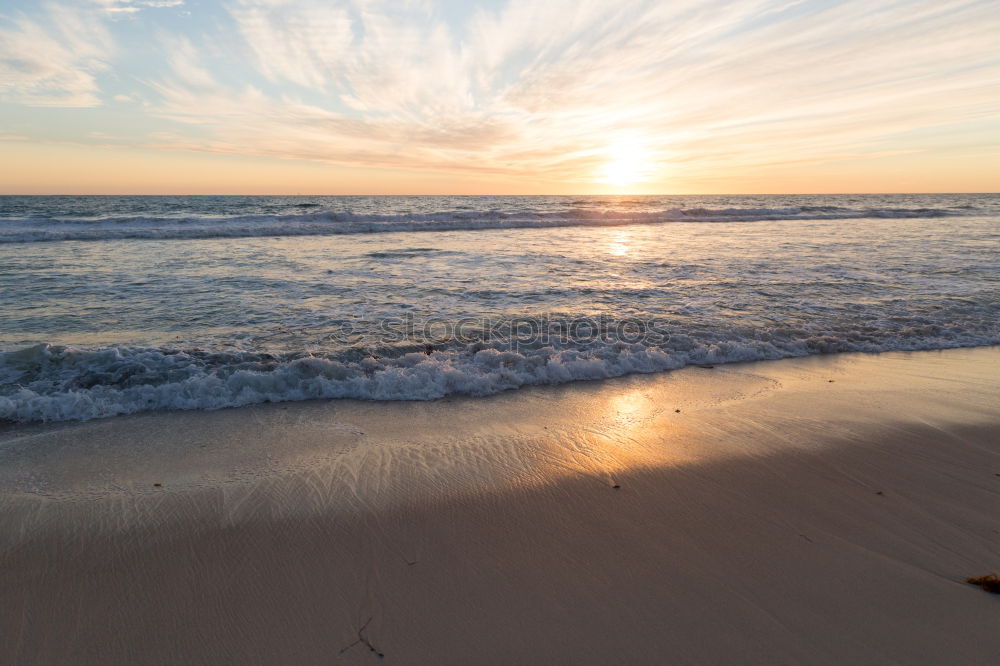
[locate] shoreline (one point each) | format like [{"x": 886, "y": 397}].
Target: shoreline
[{"x": 777, "y": 517}]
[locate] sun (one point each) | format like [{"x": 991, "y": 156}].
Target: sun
[{"x": 628, "y": 164}]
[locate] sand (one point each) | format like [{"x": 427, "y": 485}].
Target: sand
[{"x": 810, "y": 511}]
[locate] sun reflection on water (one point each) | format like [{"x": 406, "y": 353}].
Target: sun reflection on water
[{"x": 620, "y": 244}]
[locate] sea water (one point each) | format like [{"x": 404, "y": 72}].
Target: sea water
[{"x": 115, "y": 305}]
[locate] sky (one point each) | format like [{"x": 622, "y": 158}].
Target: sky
[{"x": 498, "y": 96}]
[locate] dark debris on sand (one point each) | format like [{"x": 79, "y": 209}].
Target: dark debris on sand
[
  {"x": 364, "y": 640},
  {"x": 989, "y": 582}
]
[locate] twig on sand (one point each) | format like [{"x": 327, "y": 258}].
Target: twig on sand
[{"x": 364, "y": 640}]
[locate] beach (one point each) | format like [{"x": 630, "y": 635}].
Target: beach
[
  {"x": 460, "y": 333},
  {"x": 818, "y": 510}
]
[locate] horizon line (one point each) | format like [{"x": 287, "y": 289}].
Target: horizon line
[{"x": 701, "y": 194}]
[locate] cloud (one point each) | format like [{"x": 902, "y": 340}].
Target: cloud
[
  {"x": 53, "y": 60},
  {"x": 124, "y": 8},
  {"x": 303, "y": 43}
]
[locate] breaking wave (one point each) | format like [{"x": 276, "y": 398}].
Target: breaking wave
[
  {"x": 30, "y": 230},
  {"x": 58, "y": 383}
]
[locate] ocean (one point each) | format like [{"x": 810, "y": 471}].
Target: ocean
[{"x": 122, "y": 304}]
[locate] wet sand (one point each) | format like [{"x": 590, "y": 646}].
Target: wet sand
[{"x": 808, "y": 511}]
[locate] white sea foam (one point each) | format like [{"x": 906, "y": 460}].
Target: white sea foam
[
  {"x": 53, "y": 383},
  {"x": 29, "y": 230}
]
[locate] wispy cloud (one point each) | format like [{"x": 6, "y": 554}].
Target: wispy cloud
[
  {"x": 121, "y": 8},
  {"x": 52, "y": 59},
  {"x": 304, "y": 43}
]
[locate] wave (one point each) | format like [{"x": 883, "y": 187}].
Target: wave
[
  {"x": 58, "y": 383},
  {"x": 31, "y": 230}
]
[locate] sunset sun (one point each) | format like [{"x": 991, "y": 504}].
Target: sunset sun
[{"x": 628, "y": 164}]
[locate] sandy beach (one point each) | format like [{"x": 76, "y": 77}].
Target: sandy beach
[{"x": 823, "y": 510}]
